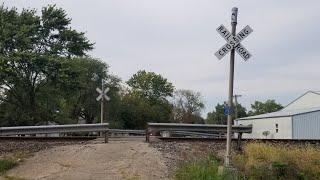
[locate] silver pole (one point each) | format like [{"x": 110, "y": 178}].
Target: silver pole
[{"x": 231, "y": 77}]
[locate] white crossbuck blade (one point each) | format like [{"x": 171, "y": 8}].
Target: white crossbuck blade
[
  {"x": 233, "y": 42},
  {"x": 102, "y": 94}
]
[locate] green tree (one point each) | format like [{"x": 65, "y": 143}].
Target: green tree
[
  {"x": 242, "y": 111},
  {"x": 150, "y": 85},
  {"x": 187, "y": 106},
  {"x": 136, "y": 111},
  {"x": 264, "y": 107},
  {"x": 217, "y": 116},
  {"x": 146, "y": 100},
  {"x": 33, "y": 51},
  {"x": 80, "y": 94}
]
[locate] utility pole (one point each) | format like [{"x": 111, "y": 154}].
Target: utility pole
[
  {"x": 236, "y": 105},
  {"x": 231, "y": 78}
]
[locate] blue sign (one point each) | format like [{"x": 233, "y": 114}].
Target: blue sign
[{"x": 228, "y": 110}]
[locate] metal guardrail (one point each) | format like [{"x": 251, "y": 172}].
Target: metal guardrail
[
  {"x": 69, "y": 128},
  {"x": 200, "y": 128},
  {"x": 197, "y": 127}
]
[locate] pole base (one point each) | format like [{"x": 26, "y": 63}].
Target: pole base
[{"x": 227, "y": 161}]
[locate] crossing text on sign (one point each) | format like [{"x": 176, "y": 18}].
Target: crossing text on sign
[{"x": 233, "y": 42}]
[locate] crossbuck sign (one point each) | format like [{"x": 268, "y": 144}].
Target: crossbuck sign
[
  {"x": 102, "y": 94},
  {"x": 233, "y": 42}
]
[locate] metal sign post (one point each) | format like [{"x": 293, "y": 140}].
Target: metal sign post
[
  {"x": 233, "y": 44},
  {"x": 102, "y": 96},
  {"x": 231, "y": 77}
]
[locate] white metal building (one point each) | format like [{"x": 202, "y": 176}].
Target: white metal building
[{"x": 298, "y": 120}]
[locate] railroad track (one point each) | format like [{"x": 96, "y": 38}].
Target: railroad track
[
  {"x": 43, "y": 138},
  {"x": 311, "y": 141},
  {"x": 87, "y": 138},
  {"x": 191, "y": 139},
  {"x": 63, "y": 138}
]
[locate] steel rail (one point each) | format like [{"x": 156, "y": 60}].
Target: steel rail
[
  {"x": 127, "y": 131},
  {"x": 48, "y": 138},
  {"x": 196, "y": 133}
]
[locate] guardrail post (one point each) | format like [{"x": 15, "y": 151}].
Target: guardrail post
[
  {"x": 147, "y": 135},
  {"x": 106, "y": 136},
  {"x": 239, "y": 141}
]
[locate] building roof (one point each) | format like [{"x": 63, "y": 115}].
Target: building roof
[
  {"x": 282, "y": 113},
  {"x": 314, "y": 92}
]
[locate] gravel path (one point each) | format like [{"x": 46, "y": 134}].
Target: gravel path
[{"x": 114, "y": 160}]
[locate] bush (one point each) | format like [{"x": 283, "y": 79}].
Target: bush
[{"x": 263, "y": 161}]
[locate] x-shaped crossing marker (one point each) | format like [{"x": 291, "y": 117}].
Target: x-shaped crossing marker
[
  {"x": 102, "y": 94},
  {"x": 233, "y": 42}
]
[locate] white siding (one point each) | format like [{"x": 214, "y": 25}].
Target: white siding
[
  {"x": 309, "y": 100},
  {"x": 268, "y": 124}
]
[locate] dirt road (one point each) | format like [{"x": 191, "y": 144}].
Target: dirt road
[{"x": 114, "y": 160}]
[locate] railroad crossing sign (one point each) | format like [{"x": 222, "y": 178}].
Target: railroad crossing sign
[
  {"x": 233, "y": 42},
  {"x": 102, "y": 94}
]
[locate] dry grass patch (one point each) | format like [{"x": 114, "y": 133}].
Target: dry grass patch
[
  {"x": 9, "y": 161},
  {"x": 265, "y": 161}
]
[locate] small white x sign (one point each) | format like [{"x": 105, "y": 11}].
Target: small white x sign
[{"x": 102, "y": 94}]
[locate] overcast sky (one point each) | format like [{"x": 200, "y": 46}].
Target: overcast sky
[{"x": 178, "y": 39}]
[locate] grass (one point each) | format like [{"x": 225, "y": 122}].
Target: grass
[
  {"x": 206, "y": 168},
  {"x": 6, "y": 164},
  {"x": 266, "y": 161},
  {"x": 11, "y": 160},
  {"x": 258, "y": 161}
]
